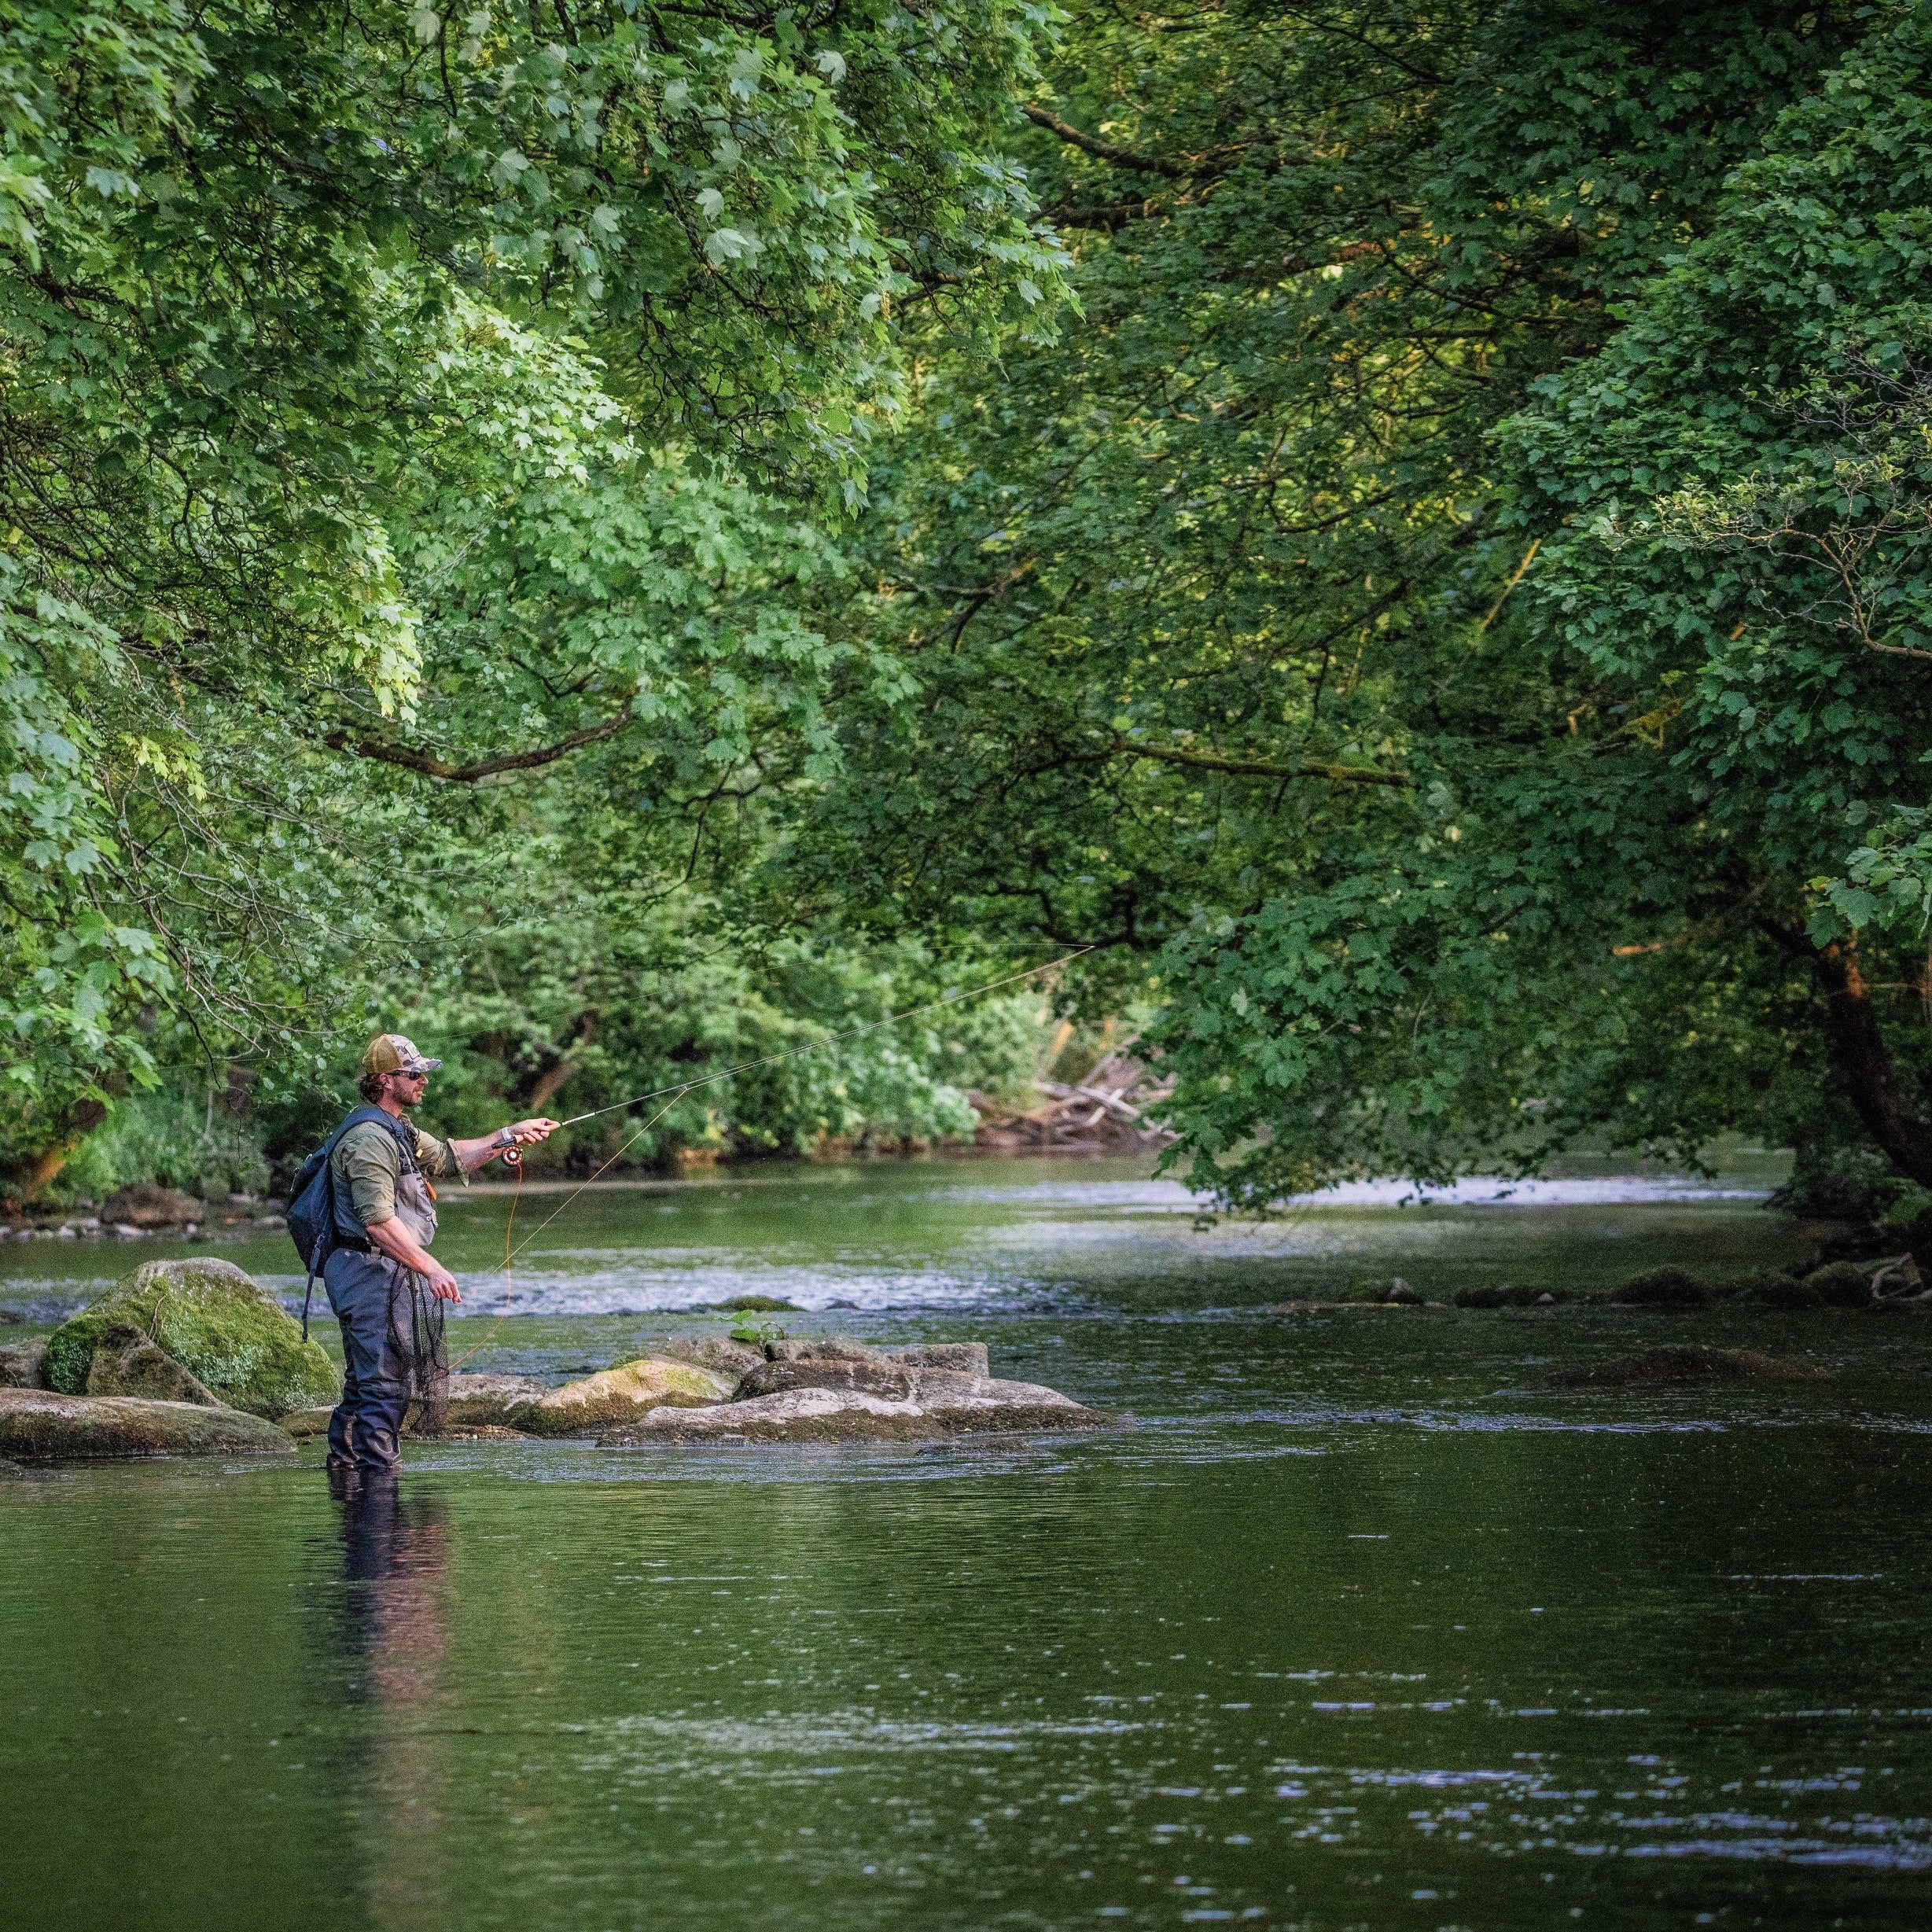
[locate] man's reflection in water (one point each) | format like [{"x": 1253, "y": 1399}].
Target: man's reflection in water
[{"x": 394, "y": 1631}]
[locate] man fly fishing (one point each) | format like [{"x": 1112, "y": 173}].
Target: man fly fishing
[{"x": 363, "y": 1215}]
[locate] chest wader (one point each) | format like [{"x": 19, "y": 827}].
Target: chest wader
[
  {"x": 416, "y": 1329},
  {"x": 395, "y": 1364}
]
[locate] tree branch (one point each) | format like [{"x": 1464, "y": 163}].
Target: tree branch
[
  {"x": 1259, "y": 768},
  {"x": 411, "y": 760},
  {"x": 1105, "y": 150}
]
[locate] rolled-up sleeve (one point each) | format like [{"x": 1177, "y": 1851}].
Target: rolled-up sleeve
[{"x": 438, "y": 1157}]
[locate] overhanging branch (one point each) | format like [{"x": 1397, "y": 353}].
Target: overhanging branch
[
  {"x": 432, "y": 766},
  {"x": 1105, "y": 150},
  {"x": 1262, "y": 768}
]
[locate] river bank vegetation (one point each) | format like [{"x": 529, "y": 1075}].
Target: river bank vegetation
[{"x": 626, "y": 539}]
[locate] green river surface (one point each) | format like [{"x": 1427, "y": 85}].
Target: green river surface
[{"x": 1349, "y": 1622}]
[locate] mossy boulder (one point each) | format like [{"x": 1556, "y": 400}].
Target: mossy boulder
[
  {"x": 1664, "y": 1288},
  {"x": 44, "y": 1426},
  {"x": 1774, "y": 1288},
  {"x": 1841, "y": 1285},
  {"x": 618, "y": 1395},
  {"x": 234, "y": 1336},
  {"x": 125, "y": 1363}
]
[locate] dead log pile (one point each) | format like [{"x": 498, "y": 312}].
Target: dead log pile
[{"x": 1107, "y": 1109}]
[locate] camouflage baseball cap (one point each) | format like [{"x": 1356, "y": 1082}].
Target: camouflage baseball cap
[{"x": 390, "y": 1053}]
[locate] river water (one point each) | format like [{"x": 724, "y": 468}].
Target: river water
[{"x": 1350, "y": 1623}]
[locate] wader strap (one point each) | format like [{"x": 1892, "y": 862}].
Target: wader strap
[{"x": 307, "y": 1296}]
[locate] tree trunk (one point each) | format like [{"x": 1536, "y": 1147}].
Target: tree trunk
[
  {"x": 1859, "y": 1052},
  {"x": 87, "y": 1115},
  {"x": 553, "y": 1077}
]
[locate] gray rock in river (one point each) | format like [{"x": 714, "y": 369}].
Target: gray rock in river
[
  {"x": 822, "y": 1349},
  {"x": 968, "y": 1358},
  {"x": 127, "y": 1363},
  {"x": 483, "y": 1401},
  {"x": 24, "y": 1365},
  {"x": 44, "y": 1426},
  {"x": 713, "y": 1352},
  {"x": 831, "y": 1401}
]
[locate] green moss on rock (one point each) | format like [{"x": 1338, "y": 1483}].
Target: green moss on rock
[
  {"x": 1664, "y": 1288},
  {"x": 1841, "y": 1285},
  {"x": 618, "y": 1395},
  {"x": 230, "y": 1333}
]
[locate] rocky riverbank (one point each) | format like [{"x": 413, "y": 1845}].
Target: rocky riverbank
[
  {"x": 193, "y": 1358},
  {"x": 145, "y": 1210}
]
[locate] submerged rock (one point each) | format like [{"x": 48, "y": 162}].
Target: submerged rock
[
  {"x": 1507, "y": 1295},
  {"x": 936, "y": 1403},
  {"x": 1772, "y": 1288},
  {"x": 233, "y": 1335},
  {"x": 1665, "y": 1367},
  {"x": 45, "y": 1425},
  {"x": 125, "y": 1363},
  {"x": 23, "y": 1365},
  {"x": 618, "y": 1395}
]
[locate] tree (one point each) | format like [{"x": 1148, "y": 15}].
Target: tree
[
  {"x": 279, "y": 285},
  {"x": 1230, "y": 612}
]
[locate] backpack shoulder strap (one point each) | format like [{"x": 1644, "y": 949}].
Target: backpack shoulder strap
[{"x": 401, "y": 1131}]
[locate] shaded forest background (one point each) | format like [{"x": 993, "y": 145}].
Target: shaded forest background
[{"x": 619, "y": 541}]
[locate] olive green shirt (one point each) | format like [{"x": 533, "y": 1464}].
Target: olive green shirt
[{"x": 367, "y": 1158}]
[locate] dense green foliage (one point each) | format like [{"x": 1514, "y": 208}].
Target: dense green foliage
[
  {"x": 601, "y": 538},
  {"x": 1406, "y": 600},
  {"x": 385, "y": 402}
]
